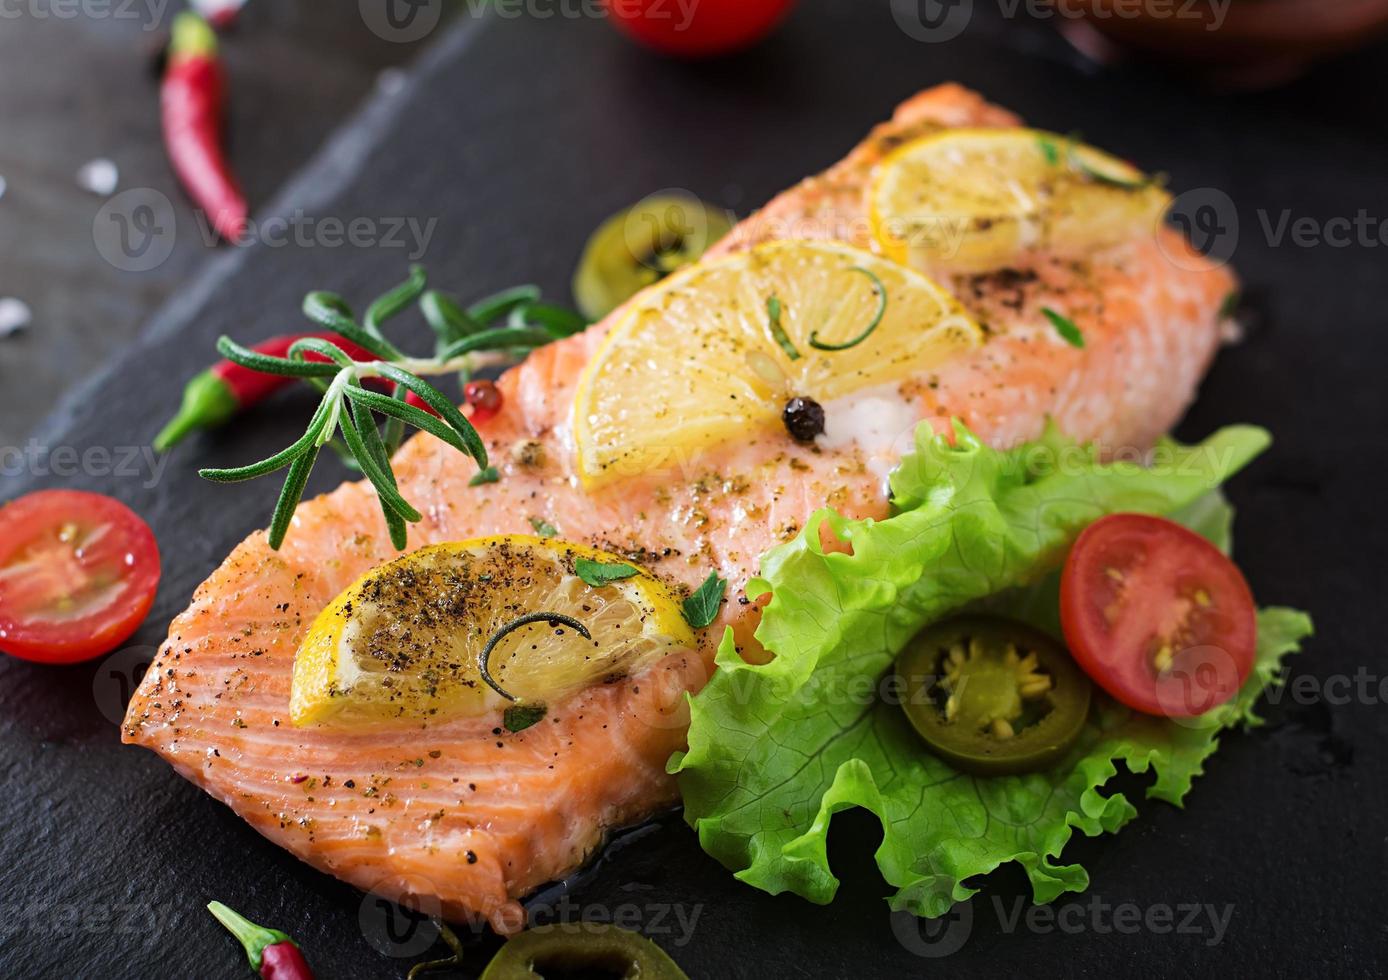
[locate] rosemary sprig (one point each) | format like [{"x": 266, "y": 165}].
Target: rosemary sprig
[
  {"x": 552, "y": 618},
  {"x": 881, "y": 292},
  {"x": 346, "y": 417},
  {"x": 778, "y": 332}
]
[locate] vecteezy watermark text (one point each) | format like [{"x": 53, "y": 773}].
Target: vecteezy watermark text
[
  {"x": 404, "y": 21},
  {"x": 1202, "y": 922},
  {"x": 150, "y": 13},
  {"x": 936, "y": 21},
  {"x": 124, "y": 462},
  {"x": 304, "y": 230}
]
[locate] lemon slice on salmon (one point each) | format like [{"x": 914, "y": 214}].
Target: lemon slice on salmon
[
  {"x": 406, "y": 641},
  {"x": 713, "y": 353},
  {"x": 973, "y": 200}
]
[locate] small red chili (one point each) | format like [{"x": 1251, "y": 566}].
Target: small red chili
[
  {"x": 222, "y": 391},
  {"x": 484, "y": 397},
  {"x": 192, "y": 98},
  {"x": 272, "y": 953},
  {"x": 412, "y": 399}
]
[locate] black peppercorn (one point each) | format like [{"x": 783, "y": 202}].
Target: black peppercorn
[{"x": 804, "y": 419}]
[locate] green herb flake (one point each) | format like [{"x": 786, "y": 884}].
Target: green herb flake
[
  {"x": 519, "y": 717},
  {"x": 880, "y": 291},
  {"x": 1065, "y": 327},
  {"x": 490, "y": 475},
  {"x": 597, "y": 573},
  {"x": 1079, "y": 165},
  {"x": 544, "y": 528},
  {"x": 778, "y": 333},
  {"x": 1048, "y": 150},
  {"x": 701, "y": 608}
]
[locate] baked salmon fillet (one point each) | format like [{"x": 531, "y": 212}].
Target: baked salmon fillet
[{"x": 466, "y": 818}]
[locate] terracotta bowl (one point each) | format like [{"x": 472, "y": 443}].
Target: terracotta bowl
[{"x": 1236, "y": 43}]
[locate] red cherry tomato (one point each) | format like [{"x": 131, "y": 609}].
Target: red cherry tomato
[
  {"x": 78, "y": 573},
  {"x": 1157, "y": 616},
  {"x": 697, "y": 28}
]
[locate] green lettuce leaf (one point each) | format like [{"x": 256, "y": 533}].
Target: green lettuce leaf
[{"x": 776, "y": 749}]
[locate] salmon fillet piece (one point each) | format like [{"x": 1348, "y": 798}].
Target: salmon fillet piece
[{"x": 465, "y": 819}]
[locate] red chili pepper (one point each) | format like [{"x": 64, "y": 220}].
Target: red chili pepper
[
  {"x": 225, "y": 389},
  {"x": 192, "y": 99},
  {"x": 412, "y": 399},
  {"x": 272, "y": 954}
]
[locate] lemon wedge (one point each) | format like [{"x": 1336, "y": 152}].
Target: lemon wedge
[
  {"x": 405, "y": 640},
  {"x": 714, "y": 352},
  {"x": 973, "y": 200}
]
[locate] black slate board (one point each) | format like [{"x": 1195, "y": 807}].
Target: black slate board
[{"x": 519, "y": 136}]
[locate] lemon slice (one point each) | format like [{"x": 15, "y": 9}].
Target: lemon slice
[
  {"x": 973, "y": 200},
  {"x": 404, "y": 641},
  {"x": 714, "y": 352}
]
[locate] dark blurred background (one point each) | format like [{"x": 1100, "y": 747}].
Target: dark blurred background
[
  {"x": 78, "y": 84},
  {"x": 518, "y": 138},
  {"x": 84, "y": 88}
]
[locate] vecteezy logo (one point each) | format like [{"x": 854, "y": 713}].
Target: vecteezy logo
[
  {"x": 942, "y": 936},
  {"x": 666, "y": 221},
  {"x": 933, "y": 21},
  {"x": 135, "y": 231},
  {"x": 1208, "y": 219},
  {"x": 934, "y": 938},
  {"x": 115, "y": 680},
  {"x": 396, "y": 931},
  {"x": 401, "y": 21}
]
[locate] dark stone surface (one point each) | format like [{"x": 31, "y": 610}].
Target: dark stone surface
[
  {"x": 81, "y": 86},
  {"x": 519, "y": 136}
]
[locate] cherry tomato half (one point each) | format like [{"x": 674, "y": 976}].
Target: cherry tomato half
[
  {"x": 1157, "y": 616},
  {"x": 699, "y": 28},
  {"x": 78, "y": 573}
]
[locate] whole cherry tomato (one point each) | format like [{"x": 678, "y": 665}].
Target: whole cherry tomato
[{"x": 697, "y": 28}]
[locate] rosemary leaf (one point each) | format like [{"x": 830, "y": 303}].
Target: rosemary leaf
[
  {"x": 778, "y": 333},
  {"x": 446, "y": 317},
  {"x": 266, "y": 364},
  {"x": 395, "y": 426},
  {"x": 557, "y": 321},
  {"x": 394, "y": 302},
  {"x": 344, "y": 454},
  {"x": 330, "y": 312},
  {"x": 290, "y": 496},
  {"x": 446, "y": 409},
  {"x": 409, "y": 414},
  {"x": 881, "y": 292},
  {"x": 490, "y": 475},
  {"x": 317, "y": 345},
  {"x": 285, "y": 457},
  {"x": 513, "y": 337},
  {"x": 552, "y": 618},
  {"x": 380, "y": 454},
  {"x": 484, "y": 311},
  {"x": 382, "y": 479}
]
